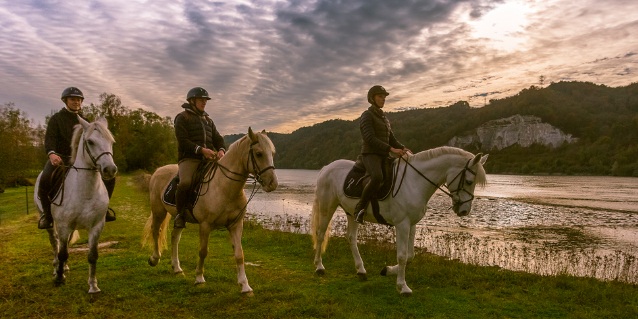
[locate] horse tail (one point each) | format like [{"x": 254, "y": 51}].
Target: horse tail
[
  {"x": 75, "y": 236},
  {"x": 147, "y": 237},
  {"x": 316, "y": 219}
]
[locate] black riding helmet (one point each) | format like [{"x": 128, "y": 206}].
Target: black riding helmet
[
  {"x": 377, "y": 89},
  {"x": 197, "y": 92},
  {"x": 71, "y": 91}
]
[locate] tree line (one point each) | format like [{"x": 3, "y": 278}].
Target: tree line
[{"x": 604, "y": 119}]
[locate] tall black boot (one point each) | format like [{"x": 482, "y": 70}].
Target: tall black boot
[
  {"x": 46, "y": 220},
  {"x": 180, "y": 203},
  {"x": 110, "y": 186},
  {"x": 44, "y": 188}
]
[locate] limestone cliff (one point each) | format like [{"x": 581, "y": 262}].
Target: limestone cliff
[{"x": 523, "y": 130}]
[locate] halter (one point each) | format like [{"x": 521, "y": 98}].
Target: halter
[
  {"x": 450, "y": 193},
  {"x": 93, "y": 159}
]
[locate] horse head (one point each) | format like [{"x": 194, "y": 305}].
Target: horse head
[
  {"x": 261, "y": 160},
  {"x": 461, "y": 184},
  {"x": 97, "y": 144}
]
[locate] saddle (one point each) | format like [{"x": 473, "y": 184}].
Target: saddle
[
  {"x": 57, "y": 180},
  {"x": 357, "y": 179},
  {"x": 193, "y": 194}
]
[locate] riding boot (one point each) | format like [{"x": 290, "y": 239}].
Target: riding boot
[
  {"x": 366, "y": 196},
  {"x": 110, "y": 186},
  {"x": 180, "y": 204},
  {"x": 46, "y": 220}
]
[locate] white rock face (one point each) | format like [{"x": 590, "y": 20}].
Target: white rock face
[{"x": 523, "y": 130}]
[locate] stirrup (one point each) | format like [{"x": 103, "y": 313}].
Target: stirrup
[
  {"x": 45, "y": 223},
  {"x": 359, "y": 216},
  {"x": 179, "y": 221},
  {"x": 110, "y": 217}
]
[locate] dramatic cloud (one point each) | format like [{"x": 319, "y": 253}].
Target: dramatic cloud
[{"x": 281, "y": 65}]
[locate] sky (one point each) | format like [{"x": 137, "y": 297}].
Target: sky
[{"x": 282, "y": 65}]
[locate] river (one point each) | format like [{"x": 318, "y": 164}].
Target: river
[{"x": 549, "y": 225}]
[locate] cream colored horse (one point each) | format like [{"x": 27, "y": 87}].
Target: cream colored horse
[
  {"x": 421, "y": 175},
  {"x": 222, "y": 202}
]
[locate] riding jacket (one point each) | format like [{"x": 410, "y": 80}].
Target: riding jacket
[
  {"x": 59, "y": 133},
  {"x": 195, "y": 130},
  {"x": 376, "y": 132}
]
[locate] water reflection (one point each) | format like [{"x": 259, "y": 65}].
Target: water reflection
[{"x": 582, "y": 226}]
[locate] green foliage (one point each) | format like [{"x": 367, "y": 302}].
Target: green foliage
[{"x": 20, "y": 146}]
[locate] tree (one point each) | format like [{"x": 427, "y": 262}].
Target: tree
[{"x": 20, "y": 145}]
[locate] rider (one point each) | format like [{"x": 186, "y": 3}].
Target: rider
[
  {"x": 197, "y": 140},
  {"x": 57, "y": 143},
  {"x": 378, "y": 140}
]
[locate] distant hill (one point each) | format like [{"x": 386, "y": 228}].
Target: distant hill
[{"x": 604, "y": 120}]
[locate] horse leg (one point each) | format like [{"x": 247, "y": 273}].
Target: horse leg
[
  {"x": 53, "y": 240},
  {"x": 156, "y": 228},
  {"x": 204, "y": 234},
  {"x": 394, "y": 270},
  {"x": 62, "y": 255},
  {"x": 176, "y": 234},
  {"x": 402, "y": 235},
  {"x": 94, "y": 236},
  {"x": 353, "y": 228},
  {"x": 322, "y": 214},
  {"x": 235, "y": 239}
]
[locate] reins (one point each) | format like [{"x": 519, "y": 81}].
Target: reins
[
  {"x": 210, "y": 168},
  {"x": 459, "y": 188}
]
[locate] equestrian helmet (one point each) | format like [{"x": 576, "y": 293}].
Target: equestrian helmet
[
  {"x": 71, "y": 91},
  {"x": 197, "y": 92},
  {"x": 377, "y": 89}
]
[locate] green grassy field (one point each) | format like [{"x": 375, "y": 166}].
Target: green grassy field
[{"x": 280, "y": 271}]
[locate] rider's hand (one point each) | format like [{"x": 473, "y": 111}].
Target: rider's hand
[
  {"x": 208, "y": 154},
  {"x": 55, "y": 159},
  {"x": 220, "y": 154},
  {"x": 398, "y": 151}
]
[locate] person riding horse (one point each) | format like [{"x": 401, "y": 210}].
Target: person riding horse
[
  {"x": 197, "y": 140},
  {"x": 57, "y": 143},
  {"x": 378, "y": 140}
]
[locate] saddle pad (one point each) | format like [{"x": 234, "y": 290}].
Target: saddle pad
[
  {"x": 356, "y": 178},
  {"x": 168, "y": 196}
]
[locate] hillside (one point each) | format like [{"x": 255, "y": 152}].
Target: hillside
[{"x": 603, "y": 119}]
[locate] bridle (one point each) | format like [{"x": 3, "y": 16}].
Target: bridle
[
  {"x": 257, "y": 172},
  {"x": 93, "y": 158},
  {"x": 451, "y": 193}
]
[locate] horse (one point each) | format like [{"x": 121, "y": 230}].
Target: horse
[
  {"x": 418, "y": 176},
  {"x": 82, "y": 201},
  {"x": 222, "y": 202}
]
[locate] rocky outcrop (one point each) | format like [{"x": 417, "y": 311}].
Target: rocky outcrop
[{"x": 523, "y": 130}]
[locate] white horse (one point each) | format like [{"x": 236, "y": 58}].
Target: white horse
[
  {"x": 222, "y": 203},
  {"x": 83, "y": 200},
  {"x": 419, "y": 176}
]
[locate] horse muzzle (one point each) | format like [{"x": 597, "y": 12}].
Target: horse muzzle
[{"x": 108, "y": 172}]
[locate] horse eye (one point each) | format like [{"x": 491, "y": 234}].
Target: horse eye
[
  {"x": 259, "y": 154},
  {"x": 90, "y": 142},
  {"x": 469, "y": 182}
]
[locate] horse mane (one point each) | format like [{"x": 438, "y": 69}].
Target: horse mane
[
  {"x": 263, "y": 140},
  {"x": 78, "y": 130},
  {"x": 481, "y": 178}
]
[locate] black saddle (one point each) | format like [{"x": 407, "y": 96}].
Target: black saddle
[
  {"x": 171, "y": 190},
  {"x": 357, "y": 179}
]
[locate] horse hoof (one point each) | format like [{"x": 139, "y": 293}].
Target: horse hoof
[
  {"x": 362, "y": 276},
  {"x": 248, "y": 294},
  {"x": 320, "y": 272},
  {"x": 59, "y": 282},
  {"x": 151, "y": 262},
  {"x": 406, "y": 294},
  {"x": 384, "y": 271}
]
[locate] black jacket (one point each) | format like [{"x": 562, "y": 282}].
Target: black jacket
[
  {"x": 195, "y": 130},
  {"x": 60, "y": 132},
  {"x": 376, "y": 132}
]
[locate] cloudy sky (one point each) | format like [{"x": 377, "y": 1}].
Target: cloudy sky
[{"x": 280, "y": 65}]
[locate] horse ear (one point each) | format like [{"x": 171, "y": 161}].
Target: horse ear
[
  {"x": 84, "y": 123},
  {"x": 102, "y": 119},
  {"x": 484, "y": 159},
  {"x": 251, "y": 134},
  {"x": 476, "y": 159},
  {"x": 263, "y": 132}
]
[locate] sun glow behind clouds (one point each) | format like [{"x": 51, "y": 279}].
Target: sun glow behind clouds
[{"x": 504, "y": 26}]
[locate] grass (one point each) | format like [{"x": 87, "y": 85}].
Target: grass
[{"x": 281, "y": 272}]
